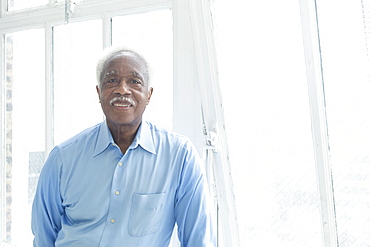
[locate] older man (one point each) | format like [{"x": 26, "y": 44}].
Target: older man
[{"x": 123, "y": 182}]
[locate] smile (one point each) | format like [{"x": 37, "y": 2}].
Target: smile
[
  {"x": 122, "y": 102},
  {"x": 121, "y": 105}
]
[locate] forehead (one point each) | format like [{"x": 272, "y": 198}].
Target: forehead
[{"x": 124, "y": 63}]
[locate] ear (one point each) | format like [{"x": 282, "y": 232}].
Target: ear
[
  {"x": 98, "y": 91},
  {"x": 150, "y": 92}
]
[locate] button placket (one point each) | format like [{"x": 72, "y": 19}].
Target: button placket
[
  {"x": 114, "y": 217},
  {"x": 116, "y": 192}
]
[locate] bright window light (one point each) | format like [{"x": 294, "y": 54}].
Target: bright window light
[
  {"x": 24, "y": 128},
  {"x": 76, "y": 102},
  {"x": 24, "y": 4},
  {"x": 347, "y": 89},
  {"x": 151, "y": 35}
]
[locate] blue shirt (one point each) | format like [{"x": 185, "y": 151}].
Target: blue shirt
[{"x": 90, "y": 194}]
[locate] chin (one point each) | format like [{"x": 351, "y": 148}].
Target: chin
[{"x": 125, "y": 122}]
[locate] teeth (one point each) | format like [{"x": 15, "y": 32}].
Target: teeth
[
  {"x": 116, "y": 104},
  {"x": 122, "y": 101}
]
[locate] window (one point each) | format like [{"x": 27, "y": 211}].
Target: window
[
  {"x": 271, "y": 120},
  {"x": 135, "y": 31},
  {"x": 49, "y": 95},
  {"x": 345, "y": 55},
  {"x": 24, "y": 117},
  {"x": 275, "y": 100},
  {"x": 74, "y": 60},
  {"x": 13, "y": 5},
  {"x": 268, "y": 128}
]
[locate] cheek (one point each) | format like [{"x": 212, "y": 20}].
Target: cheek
[
  {"x": 104, "y": 95},
  {"x": 104, "y": 101}
]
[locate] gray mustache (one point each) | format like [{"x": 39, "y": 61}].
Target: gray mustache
[{"x": 122, "y": 98}]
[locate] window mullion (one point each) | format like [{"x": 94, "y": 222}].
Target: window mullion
[
  {"x": 107, "y": 31},
  {"x": 49, "y": 92},
  {"x": 318, "y": 120},
  {"x": 3, "y": 8}
]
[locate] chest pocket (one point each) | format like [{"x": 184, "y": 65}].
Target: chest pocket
[{"x": 146, "y": 214}]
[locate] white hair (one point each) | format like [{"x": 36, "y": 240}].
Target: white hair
[{"x": 112, "y": 51}]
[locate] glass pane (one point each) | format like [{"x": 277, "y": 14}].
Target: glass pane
[
  {"x": 75, "y": 1},
  {"x": 25, "y": 4},
  {"x": 347, "y": 91},
  {"x": 24, "y": 128},
  {"x": 265, "y": 99},
  {"x": 76, "y": 103},
  {"x": 150, "y": 34}
]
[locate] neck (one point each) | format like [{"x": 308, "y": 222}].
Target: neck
[{"x": 123, "y": 135}]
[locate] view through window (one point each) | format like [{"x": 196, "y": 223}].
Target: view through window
[
  {"x": 151, "y": 35},
  {"x": 268, "y": 123},
  {"x": 263, "y": 81},
  {"x": 76, "y": 103},
  {"x": 346, "y": 72},
  {"x": 24, "y": 128}
]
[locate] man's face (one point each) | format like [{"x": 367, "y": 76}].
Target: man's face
[{"x": 124, "y": 92}]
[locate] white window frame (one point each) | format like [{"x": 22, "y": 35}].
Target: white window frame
[
  {"x": 311, "y": 42},
  {"x": 195, "y": 72},
  {"x": 199, "y": 81}
]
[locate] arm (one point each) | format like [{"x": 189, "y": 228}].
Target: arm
[
  {"x": 193, "y": 207},
  {"x": 47, "y": 205}
]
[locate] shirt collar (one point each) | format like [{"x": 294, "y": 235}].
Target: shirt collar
[{"x": 143, "y": 138}]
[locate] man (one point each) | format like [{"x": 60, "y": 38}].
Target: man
[{"x": 123, "y": 182}]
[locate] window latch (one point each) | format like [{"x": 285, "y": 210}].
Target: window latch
[{"x": 211, "y": 138}]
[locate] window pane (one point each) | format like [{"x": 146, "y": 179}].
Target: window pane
[
  {"x": 150, "y": 34},
  {"x": 347, "y": 91},
  {"x": 25, "y": 4},
  {"x": 265, "y": 99},
  {"x": 24, "y": 128},
  {"x": 76, "y": 103},
  {"x": 75, "y": 1}
]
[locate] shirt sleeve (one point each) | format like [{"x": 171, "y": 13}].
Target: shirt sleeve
[
  {"x": 193, "y": 211},
  {"x": 47, "y": 205}
]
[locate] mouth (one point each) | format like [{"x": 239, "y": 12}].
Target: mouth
[{"x": 123, "y": 102}]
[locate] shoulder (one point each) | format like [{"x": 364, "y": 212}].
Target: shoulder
[
  {"x": 165, "y": 136},
  {"x": 82, "y": 143},
  {"x": 173, "y": 144},
  {"x": 82, "y": 137},
  {"x": 67, "y": 152}
]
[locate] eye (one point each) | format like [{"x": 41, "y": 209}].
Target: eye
[
  {"x": 136, "y": 81},
  {"x": 111, "y": 80}
]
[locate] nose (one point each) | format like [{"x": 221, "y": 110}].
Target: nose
[{"x": 123, "y": 88}]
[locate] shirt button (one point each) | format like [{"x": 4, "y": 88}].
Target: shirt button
[
  {"x": 120, "y": 164},
  {"x": 112, "y": 221},
  {"x": 117, "y": 192}
]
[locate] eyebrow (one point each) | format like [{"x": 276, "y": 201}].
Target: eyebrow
[
  {"x": 109, "y": 73},
  {"x": 135, "y": 74},
  {"x": 113, "y": 72}
]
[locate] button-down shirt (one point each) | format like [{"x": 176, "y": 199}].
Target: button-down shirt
[{"x": 90, "y": 194}]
